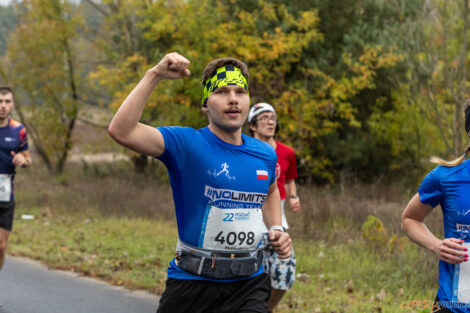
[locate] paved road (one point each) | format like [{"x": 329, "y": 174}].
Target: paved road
[{"x": 29, "y": 287}]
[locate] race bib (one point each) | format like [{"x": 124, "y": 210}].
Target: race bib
[
  {"x": 461, "y": 290},
  {"x": 233, "y": 229},
  {"x": 5, "y": 188}
]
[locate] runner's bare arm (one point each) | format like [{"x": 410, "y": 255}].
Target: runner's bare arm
[
  {"x": 413, "y": 226},
  {"x": 280, "y": 241},
  {"x": 125, "y": 127},
  {"x": 291, "y": 190},
  {"x": 272, "y": 207}
]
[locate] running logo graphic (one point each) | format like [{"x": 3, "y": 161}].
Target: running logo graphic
[
  {"x": 463, "y": 213},
  {"x": 224, "y": 169}
]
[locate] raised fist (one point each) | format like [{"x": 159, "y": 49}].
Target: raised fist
[{"x": 172, "y": 66}]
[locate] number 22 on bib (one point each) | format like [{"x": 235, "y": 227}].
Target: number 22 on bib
[{"x": 232, "y": 229}]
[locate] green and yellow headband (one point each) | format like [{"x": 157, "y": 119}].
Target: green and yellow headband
[{"x": 224, "y": 76}]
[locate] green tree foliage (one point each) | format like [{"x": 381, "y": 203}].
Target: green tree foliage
[
  {"x": 427, "y": 113},
  {"x": 357, "y": 32},
  {"x": 7, "y": 24},
  {"x": 369, "y": 87},
  {"x": 274, "y": 41},
  {"x": 437, "y": 63},
  {"x": 42, "y": 62}
]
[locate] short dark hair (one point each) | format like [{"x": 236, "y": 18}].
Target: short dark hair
[
  {"x": 213, "y": 65},
  {"x": 254, "y": 122},
  {"x": 5, "y": 89}
]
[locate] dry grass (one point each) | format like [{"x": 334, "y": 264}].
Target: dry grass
[
  {"x": 109, "y": 189},
  {"x": 114, "y": 189},
  {"x": 330, "y": 211}
]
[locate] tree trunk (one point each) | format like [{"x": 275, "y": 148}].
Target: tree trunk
[
  {"x": 73, "y": 116},
  {"x": 460, "y": 103}
]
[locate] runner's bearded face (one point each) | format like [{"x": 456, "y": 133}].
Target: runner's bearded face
[
  {"x": 226, "y": 99},
  {"x": 266, "y": 125},
  {"x": 6, "y": 105}
]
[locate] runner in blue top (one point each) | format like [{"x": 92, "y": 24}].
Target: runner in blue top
[
  {"x": 13, "y": 153},
  {"x": 448, "y": 185},
  {"x": 224, "y": 191}
]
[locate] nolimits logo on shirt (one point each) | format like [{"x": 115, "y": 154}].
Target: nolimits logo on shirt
[
  {"x": 9, "y": 139},
  {"x": 233, "y": 195},
  {"x": 463, "y": 228}
]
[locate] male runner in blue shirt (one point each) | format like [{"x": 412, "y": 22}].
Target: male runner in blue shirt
[
  {"x": 224, "y": 190},
  {"x": 13, "y": 153}
]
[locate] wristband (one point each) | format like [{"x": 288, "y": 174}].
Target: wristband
[
  {"x": 279, "y": 228},
  {"x": 294, "y": 197}
]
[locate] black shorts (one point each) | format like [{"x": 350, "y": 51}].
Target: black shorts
[
  {"x": 439, "y": 308},
  {"x": 195, "y": 296},
  {"x": 6, "y": 214}
]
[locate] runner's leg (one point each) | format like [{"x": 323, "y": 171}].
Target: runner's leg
[
  {"x": 275, "y": 298},
  {"x": 6, "y": 224},
  {"x": 183, "y": 295},
  {"x": 249, "y": 296},
  {"x": 3, "y": 245},
  {"x": 282, "y": 274}
]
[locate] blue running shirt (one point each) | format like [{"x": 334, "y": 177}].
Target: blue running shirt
[
  {"x": 210, "y": 176},
  {"x": 13, "y": 137},
  {"x": 450, "y": 187}
]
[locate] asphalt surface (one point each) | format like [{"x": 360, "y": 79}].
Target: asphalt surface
[{"x": 29, "y": 287}]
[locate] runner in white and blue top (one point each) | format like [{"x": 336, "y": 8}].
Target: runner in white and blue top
[
  {"x": 448, "y": 185},
  {"x": 224, "y": 191}
]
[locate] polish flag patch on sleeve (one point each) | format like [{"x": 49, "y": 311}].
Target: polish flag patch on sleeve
[{"x": 262, "y": 174}]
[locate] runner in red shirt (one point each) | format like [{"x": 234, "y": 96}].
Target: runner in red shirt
[{"x": 263, "y": 125}]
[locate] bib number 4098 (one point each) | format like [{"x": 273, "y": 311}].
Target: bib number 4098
[{"x": 233, "y": 238}]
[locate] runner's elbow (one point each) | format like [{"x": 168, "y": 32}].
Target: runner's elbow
[
  {"x": 114, "y": 132},
  {"x": 405, "y": 224}
]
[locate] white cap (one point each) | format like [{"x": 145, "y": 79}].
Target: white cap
[{"x": 259, "y": 108}]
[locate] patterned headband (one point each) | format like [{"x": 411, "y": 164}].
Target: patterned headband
[{"x": 225, "y": 76}]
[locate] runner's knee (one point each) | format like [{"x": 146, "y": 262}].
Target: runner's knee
[{"x": 3, "y": 244}]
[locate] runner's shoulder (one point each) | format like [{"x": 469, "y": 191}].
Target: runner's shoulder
[
  {"x": 179, "y": 131},
  {"x": 178, "y": 128},
  {"x": 285, "y": 147},
  {"x": 450, "y": 173},
  {"x": 261, "y": 147},
  {"x": 15, "y": 124}
]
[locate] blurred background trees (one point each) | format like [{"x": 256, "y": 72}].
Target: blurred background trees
[{"x": 363, "y": 88}]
